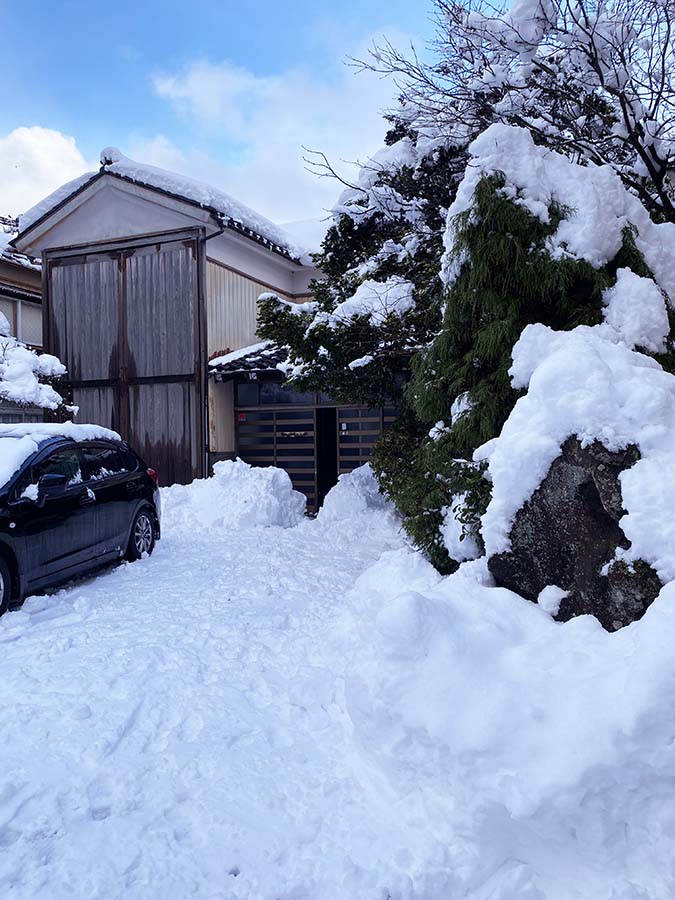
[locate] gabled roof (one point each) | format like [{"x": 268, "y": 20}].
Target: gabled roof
[{"x": 227, "y": 211}]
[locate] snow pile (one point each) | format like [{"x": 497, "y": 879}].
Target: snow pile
[
  {"x": 115, "y": 162},
  {"x": 355, "y": 495},
  {"x": 19, "y": 442},
  {"x": 600, "y": 206},
  {"x": 542, "y": 753},
  {"x": 236, "y": 496}
]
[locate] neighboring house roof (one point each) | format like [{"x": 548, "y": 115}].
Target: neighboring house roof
[
  {"x": 9, "y": 228},
  {"x": 261, "y": 357},
  {"x": 228, "y": 211}
]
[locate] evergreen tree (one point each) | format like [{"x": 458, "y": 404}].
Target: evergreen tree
[
  {"x": 506, "y": 279},
  {"x": 387, "y": 235}
]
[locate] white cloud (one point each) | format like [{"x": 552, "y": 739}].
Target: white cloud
[
  {"x": 34, "y": 161},
  {"x": 264, "y": 121}
]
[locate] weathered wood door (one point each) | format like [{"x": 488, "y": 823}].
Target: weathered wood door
[{"x": 127, "y": 321}]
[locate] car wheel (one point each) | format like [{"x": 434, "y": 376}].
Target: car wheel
[
  {"x": 142, "y": 540},
  {"x": 5, "y": 586}
]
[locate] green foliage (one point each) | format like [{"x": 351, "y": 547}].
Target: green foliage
[
  {"x": 456, "y": 343},
  {"x": 422, "y": 477},
  {"x": 405, "y": 240},
  {"x": 504, "y": 280}
]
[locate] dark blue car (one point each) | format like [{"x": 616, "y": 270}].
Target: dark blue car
[{"x": 73, "y": 506}]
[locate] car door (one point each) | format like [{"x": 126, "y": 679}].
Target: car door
[
  {"x": 59, "y": 527},
  {"x": 106, "y": 470}
]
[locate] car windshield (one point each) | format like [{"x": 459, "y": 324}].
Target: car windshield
[{"x": 14, "y": 451}]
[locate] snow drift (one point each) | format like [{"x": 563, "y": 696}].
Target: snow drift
[
  {"x": 356, "y": 494},
  {"x": 541, "y": 754},
  {"x": 236, "y": 496}
]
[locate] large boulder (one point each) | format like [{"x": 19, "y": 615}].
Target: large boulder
[{"x": 568, "y": 533}]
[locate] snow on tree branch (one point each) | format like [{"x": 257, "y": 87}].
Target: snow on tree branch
[{"x": 589, "y": 78}]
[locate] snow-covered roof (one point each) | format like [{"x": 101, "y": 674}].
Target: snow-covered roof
[
  {"x": 260, "y": 357},
  {"x": 227, "y": 209},
  {"x": 19, "y": 442},
  {"x": 9, "y": 228}
]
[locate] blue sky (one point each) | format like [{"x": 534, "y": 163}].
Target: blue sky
[{"x": 220, "y": 90}]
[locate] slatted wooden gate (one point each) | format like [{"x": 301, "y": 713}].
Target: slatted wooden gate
[
  {"x": 288, "y": 438},
  {"x": 127, "y": 321},
  {"x": 358, "y": 429},
  {"x": 284, "y": 438}
]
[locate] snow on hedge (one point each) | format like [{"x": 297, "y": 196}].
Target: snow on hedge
[
  {"x": 20, "y": 371},
  {"x": 368, "y": 196},
  {"x": 236, "y": 496},
  {"x": 600, "y": 207},
  {"x": 19, "y": 442},
  {"x": 115, "y": 162}
]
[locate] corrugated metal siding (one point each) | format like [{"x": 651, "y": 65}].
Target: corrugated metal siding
[
  {"x": 231, "y": 309},
  {"x": 97, "y": 404},
  {"x": 126, "y": 324},
  {"x": 162, "y": 419}
]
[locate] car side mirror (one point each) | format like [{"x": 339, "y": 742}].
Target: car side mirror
[{"x": 50, "y": 485}]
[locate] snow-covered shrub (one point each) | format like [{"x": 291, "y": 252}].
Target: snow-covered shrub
[
  {"x": 25, "y": 374},
  {"x": 236, "y": 496},
  {"x": 593, "y": 80}
]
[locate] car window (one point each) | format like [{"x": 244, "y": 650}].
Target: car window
[
  {"x": 62, "y": 462},
  {"x": 103, "y": 462}
]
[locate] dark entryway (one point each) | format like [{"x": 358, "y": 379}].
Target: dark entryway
[{"x": 326, "y": 451}]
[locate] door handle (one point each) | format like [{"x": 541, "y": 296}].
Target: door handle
[{"x": 87, "y": 497}]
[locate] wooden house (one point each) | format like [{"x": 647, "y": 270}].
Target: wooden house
[{"x": 148, "y": 276}]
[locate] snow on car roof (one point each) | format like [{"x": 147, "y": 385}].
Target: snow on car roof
[
  {"x": 19, "y": 442},
  {"x": 236, "y": 214}
]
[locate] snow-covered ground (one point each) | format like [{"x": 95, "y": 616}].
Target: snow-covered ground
[
  {"x": 306, "y": 710},
  {"x": 174, "y": 728}
]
